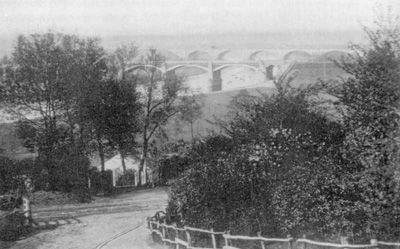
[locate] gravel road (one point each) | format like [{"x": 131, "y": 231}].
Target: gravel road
[{"x": 115, "y": 222}]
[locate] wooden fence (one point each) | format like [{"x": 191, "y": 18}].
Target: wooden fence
[
  {"x": 183, "y": 238},
  {"x": 24, "y": 210}
]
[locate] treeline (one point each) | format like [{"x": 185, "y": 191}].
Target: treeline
[
  {"x": 73, "y": 100},
  {"x": 321, "y": 161}
]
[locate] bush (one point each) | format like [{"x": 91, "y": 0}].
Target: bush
[
  {"x": 233, "y": 183},
  {"x": 294, "y": 171},
  {"x": 127, "y": 179},
  {"x": 101, "y": 181},
  {"x": 171, "y": 167},
  {"x": 11, "y": 201},
  {"x": 13, "y": 174},
  {"x": 11, "y": 226},
  {"x": 42, "y": 197}
]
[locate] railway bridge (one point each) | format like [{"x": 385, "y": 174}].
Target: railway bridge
[{"x": 270, "y": 63}]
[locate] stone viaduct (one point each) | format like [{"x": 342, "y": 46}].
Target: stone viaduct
[{"x": 271, "y": 63}]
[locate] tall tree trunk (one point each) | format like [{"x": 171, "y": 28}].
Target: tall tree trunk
[
  {"x": 191, "y": 131},
  {"x": 101, "y": 153},
  {"x": 142, "y": 161},
  {"x": 103, "y": 164}
]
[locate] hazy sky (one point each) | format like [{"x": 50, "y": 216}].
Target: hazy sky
[{"x": 115, "y": 17}]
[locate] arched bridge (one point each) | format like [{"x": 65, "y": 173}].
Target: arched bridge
[{"x": 213, "y": 61}]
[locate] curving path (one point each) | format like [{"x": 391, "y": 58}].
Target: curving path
[{"x": 106, "y": 223}]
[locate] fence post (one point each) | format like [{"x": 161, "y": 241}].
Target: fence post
[
  {"x": 344, "y": 241},
  {"x": 290, "y": 242},
  {"x": 27, "y": 209},
  {"x": 189, "y": 241},
  {"x": 177, "y": 246},
  {"x": 304, "y": 244},
  {"x": 167, "y": 232},
  {"x": 163, "y": 232},
  {"x": 262, "y": 242},
  {"x": 226, "y": 239},
  {"x": 149, "y": 224},
  {"x": 374, "y": 242},
  {"x": 159, "y": 229},
  {"x": 213, "y": 239}
]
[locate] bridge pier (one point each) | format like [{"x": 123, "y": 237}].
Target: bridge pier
[
  {"x": 214, "y": 78},
  {"x": 216, "y": 81},
  {"x": 213, "y": 70}
]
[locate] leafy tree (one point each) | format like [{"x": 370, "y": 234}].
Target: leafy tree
[
  {"x": 159, "y": 95},
  {"x": 115, "y": 124},
  {"x": 49, "y": 70},
  {"x": 271, "y": 139},
  {"x": 370, "y": 99},
  {"x": 43, "y": 84},
  {"x": 113, "y": 110},
  {"x": 190, "y": 110}
]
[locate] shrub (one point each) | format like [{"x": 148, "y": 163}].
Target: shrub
[
  {"x": 239, "y": 191},
  {"x": 127, "y": 179},
  {"x": 171, "y": 167},
  {"x": 12, "y": 175},
  {"x": 42, "y": 197},
  {"x": 369, "y": 101},
  {"x": 292, "y": 170},
  {"x": 11, "y": 226}
]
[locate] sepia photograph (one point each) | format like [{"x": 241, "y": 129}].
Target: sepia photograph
[{"x": 199, "y": 124}]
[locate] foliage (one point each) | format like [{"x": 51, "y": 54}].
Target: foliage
[
  {"x": 66, "y": 171},
  {"x": 294, "y": 169},
  {"x": 171, "y": 167},
  {"x": 128, "y": 178},
  {"x": 48, "y": 71},
  {"x": 233, "y": 181},
  {"x": 47, "y": 77},
  {"x": 15, "y": 179},
  {"x": 111, "y": 110},
  {"x": 371, "y": 100},
  {"x": 8, "y": 175},
  {"x": 11, "y": 227},
  {"x": 42, "y": 197},
  {"x": 101, "y": 181},
  {"x": 159, "y": 96},
  {"x": 190, "y": 110}
]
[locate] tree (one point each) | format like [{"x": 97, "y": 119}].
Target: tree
[
  {"x": 368, "y": 102},
  {"x": 371, "y": 100},
  {"x": 42, "y": 85},
  {"x": 272, "y": 138},
  {"x": 190, "y": 110},
  {"x": 113, "y": 110},
  {"x": 160, "y": 94},
  {"x": 124, "y": 99},
  {"x": 49, "y": 70}
]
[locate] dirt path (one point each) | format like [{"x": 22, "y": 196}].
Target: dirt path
[{"x": 94, "y": 224}]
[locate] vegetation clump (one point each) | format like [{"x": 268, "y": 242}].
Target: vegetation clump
[{"x": 287, "y": 167}]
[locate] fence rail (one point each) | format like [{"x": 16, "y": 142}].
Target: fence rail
[
  {"x": 316, "y": 243},
  {"x": 183, "y": 238}
]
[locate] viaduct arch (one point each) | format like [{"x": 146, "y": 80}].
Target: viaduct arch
[
  {"x": 212, "y": 62},
  {"x": 298, "y": 56}
]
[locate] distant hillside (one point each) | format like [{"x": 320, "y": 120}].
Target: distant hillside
[
  {"x": 309, "y": 73},
  {"x": 217, "y": 105}
]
